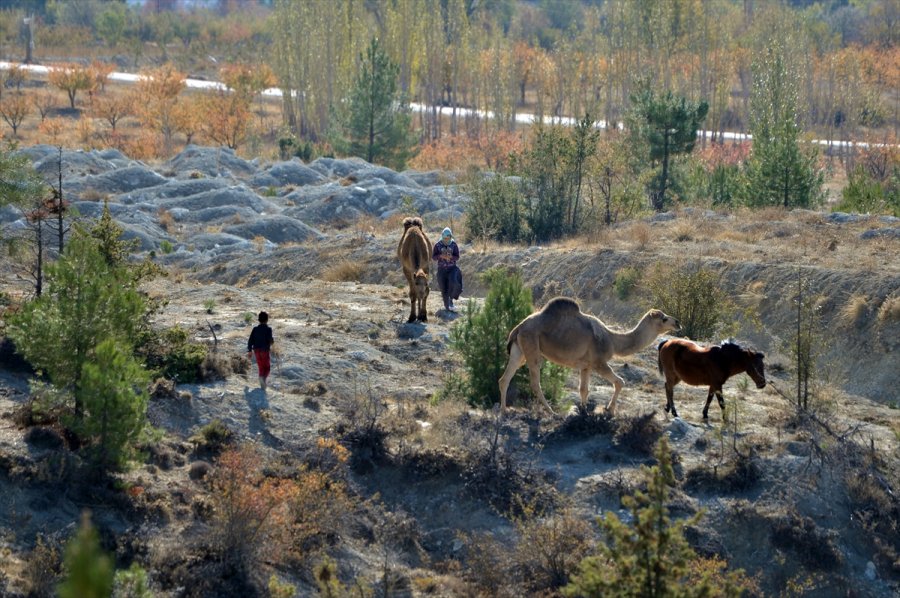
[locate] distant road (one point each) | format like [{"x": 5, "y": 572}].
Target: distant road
[{"x": 444, "y": 110}]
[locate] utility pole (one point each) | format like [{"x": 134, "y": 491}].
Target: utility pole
[{"x": 29, "y": 38}]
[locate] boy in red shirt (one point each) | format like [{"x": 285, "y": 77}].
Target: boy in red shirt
[{"x": 260, "y": 344}]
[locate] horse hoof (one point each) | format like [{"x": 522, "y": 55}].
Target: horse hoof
[{"x": 410, "y": 320}]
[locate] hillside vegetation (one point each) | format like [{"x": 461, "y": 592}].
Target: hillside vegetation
[{"x": 147, "y": 224}]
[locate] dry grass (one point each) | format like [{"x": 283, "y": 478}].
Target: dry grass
[
  {"x": 344, "y": 271},
  {"x": 165, "y": 219},
  {"x": 853, "y": 311},
  {"x": 639, "y": 234},
  {"x": 889, "y": 310}
]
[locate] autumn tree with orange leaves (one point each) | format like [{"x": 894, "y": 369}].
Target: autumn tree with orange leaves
[
  {"x": 72, "y": 78},
  {"x": 14, "y": 108},
  {"x": 226, "y": 118},
  {"x": 159, "y": 89}
]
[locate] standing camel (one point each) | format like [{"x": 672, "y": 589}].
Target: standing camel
[
  {"x": 561, "y": 333},
  {"x": 414, "y": 251}
]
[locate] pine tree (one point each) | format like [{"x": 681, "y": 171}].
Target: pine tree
[
  {"x": 114, "y": 395},
  {"x": 87, "y": 302},
  {"x": 650, "y": 557},
  {"x": 90, "y": 570},
  {"x": 482, "y": 334},
  {"x": 374, "y": 122},
  {"x": 780, "y": 171},
  {"x": 668, "y": 126}
]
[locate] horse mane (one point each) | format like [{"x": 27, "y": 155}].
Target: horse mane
[{"x": 412, "y": 221}]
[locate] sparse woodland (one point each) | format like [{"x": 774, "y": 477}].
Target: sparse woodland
[{"x": 145, "y": 223}]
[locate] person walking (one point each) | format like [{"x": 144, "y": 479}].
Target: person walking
[
  {"x": 260, "y": 345},
  {"x": 449, "y": 276}
]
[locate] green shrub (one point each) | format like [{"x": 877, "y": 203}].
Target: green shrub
[
  {"x": 213, "y": 436},
  {"x": 89, "y": 570},
  {"x": 166, "y": 246},
  {"x": 495, "y": 210},
  {"x": 693, "y": 294},
  {"x": 131, "y": 583},
  {"x": 649, "y": 556},
  {"x": 209, "y": 305},
  {"x": 867, "y": 195},
  {"x": 626, "y": 280},
  {"x": 115, "y": 396},
  {"x": 169, "y": 354},
  {"x": 481, "y": 337}
]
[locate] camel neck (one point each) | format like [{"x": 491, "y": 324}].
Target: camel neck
[{"x": 636, "y": 339}]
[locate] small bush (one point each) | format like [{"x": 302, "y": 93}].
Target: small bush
[
  {"x": 90, "y": 572},
  {"x": 169, "y": 353},
  {"x": 42, "y": 569},
  {"x": 363, "y": 428},
  {"x": 815, "y": 549},
  {"x": 252, "y": 521},
  {"x": 496, "y": 210},
  {"x": 213, "y": 437},
  {"x": 648, "y": 555},
  {"x": 166, "y": 246},
  {"x": 626, "y": 280},
  {"x": 638, "y": 433},
  {"x": 693, "y": 294}
]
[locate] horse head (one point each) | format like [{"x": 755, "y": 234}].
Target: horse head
[{"x": 756, "y": 368}]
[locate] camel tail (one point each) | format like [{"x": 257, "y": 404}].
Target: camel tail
[{"x": 513, "y": 337}]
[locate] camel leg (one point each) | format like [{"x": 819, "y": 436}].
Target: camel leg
[
  {"x": 423, "y": 312},
  {"x": 585, "y": 383},
  {"x": 534, "y": 374},
  {"x": 412, "y": 304},
  {"x": 610, "y": 376},
  {"x": 516, "y": 360}
]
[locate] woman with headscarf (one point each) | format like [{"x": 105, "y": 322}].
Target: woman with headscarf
[{"x": 446, "y": 253}]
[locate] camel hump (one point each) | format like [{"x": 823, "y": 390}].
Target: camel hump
[
  {"x": 562, "y": 306},
  {"x": 413, "y": 221}
]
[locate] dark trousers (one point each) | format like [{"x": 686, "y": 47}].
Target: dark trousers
[{"x": 449, "y": 281}]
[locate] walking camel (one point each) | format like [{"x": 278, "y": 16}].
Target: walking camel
[
  {"x": 561, "y": 333},
  {"x": 414, "y": 251}
]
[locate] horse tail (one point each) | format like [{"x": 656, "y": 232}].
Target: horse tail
[{"x": 659, "y": 355}]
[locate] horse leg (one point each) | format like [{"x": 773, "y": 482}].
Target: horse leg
[
  {"x": 670, "y": 398},
  {"x": 516, "y": 360},
  {"x": 721, "y": 400},
  {"x": 585, "y": 383},
  {"x": 708, "y": 401},
  {"x": 610, "y": 376}
]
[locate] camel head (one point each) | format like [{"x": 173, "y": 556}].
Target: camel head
[
  {"x": 662, "y": 322},
  {"x": 421, "y": 283}
]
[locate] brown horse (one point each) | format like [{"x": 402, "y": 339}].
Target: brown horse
[
  {"x": 685, "y": 361},
  {"x": 414, "y": 251}
]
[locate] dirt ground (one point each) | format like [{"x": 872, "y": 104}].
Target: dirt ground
[{"x": 346, "y": 341}]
